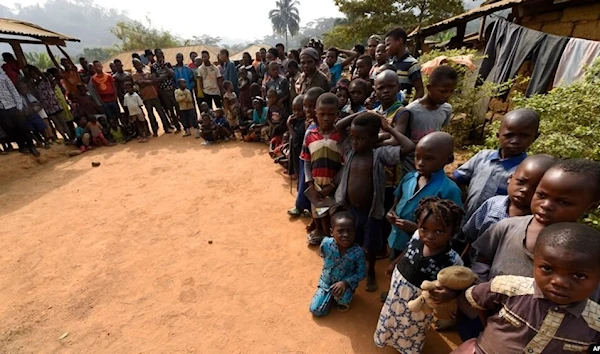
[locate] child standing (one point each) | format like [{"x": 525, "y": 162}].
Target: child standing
[
  {"x": 521, "y": 186},
  {"x": 488, "y": 171},
  {"x": 362, "y": 179},
  {"x": 556, "y": 300},
  {"x": 33, "y": 111},
  {"x": 322, "y": 160},
  {"x": 231, "y": 105},
  {"x": 295, "y": 125},
  {"x": 359, "y": 92},
  {"x": 343, "y": 266},
  {"x": 432, "y": 153},
  {"x": 407, "y": 67},
  {"x": 275, "y": 118},
  {"x": 187, "y": 108},
  {"x": 134, "y": 104},
  {"x": 427, "y": 253}
]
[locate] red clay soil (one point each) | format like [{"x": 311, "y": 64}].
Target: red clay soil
[{"x": 166, "y": 247}]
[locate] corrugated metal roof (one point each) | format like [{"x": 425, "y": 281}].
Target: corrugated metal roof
[
  {"x": 250, "y": 49},
  {"x": 466, "y": 17},
  {"x": 22, "y": 28},
  {"x": 170, "y": 54}
]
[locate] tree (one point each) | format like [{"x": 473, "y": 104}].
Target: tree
[
  {"x": 204, "y": 39},
  {"x": 285, "y": 18},
  {"x": 98, "y": 53},
  {"x": 377, "y": 16},
  {"x": 40, "y": 60},
  {"x": 134, "y": 35}
]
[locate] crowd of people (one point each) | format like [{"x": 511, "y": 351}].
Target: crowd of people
[{"x": 370, "y": 172}]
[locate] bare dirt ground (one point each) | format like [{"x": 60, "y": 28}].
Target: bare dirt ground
[{"x": 119, "y": 258}]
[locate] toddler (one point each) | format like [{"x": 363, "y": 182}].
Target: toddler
[
  {"x": 343, "y": 266},
  {"x": 95, "y": 130}
]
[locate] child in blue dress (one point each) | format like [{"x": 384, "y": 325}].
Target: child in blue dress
[
  {"x": 343, "y": 266},
  {"x": 427, "y": 253}
]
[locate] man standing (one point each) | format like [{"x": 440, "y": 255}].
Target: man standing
[
  {"x": 12, "y": 119},
  {"x": 229, "y": 70},
  {"x": 210, "y": 81},
  {"x": 166, "y": 88},
  {"x": 121, "y": 77}
]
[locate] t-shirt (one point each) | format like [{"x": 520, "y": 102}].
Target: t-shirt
[
  {"x": 279, "y": 84},
  {"x": 336, "y": 73},
  {"x": 105, "y": 87},
  {"x": 324, "y": 155},
  {"x": 408, "y": 70},
  {"x": 147, "y": 92},
  {"x": 487, "y": 175},
  {"x": 117, "y": 134},
  {"x": 210, "y": 75},
  {"x": 424, "y": 121},
  {"x": 133, "y": 102},
  {"x": 488, "y": 214},
  {"x": 409, "y": 197}
]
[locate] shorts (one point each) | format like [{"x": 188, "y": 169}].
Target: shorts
[
  {"x": 138, "y": 117},
  {"x": 222, "y": 122},
  {"x": 35, "y": 123},
  {"x": 368, "y": 230}
]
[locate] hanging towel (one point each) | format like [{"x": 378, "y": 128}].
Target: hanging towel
[{"x": 578, "y": 55}]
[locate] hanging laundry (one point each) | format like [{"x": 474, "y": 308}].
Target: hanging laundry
[
  {"x": 578, "y": 55},
  {"x": 466, "y": 60},
  {"x": 510, "y": 45}
]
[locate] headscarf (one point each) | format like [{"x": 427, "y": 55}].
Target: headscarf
[{"x": 311, "y": 52}]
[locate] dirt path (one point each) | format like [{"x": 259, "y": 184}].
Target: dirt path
[{"x": 120, "y": 257}]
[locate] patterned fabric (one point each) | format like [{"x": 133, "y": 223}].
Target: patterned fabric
[
  {"x": 487, "y": 175},
  {"x": 62, "y": 102},
  {"x": 393, "y": 174},
  {"x": 527, "y": 322},
  {"x": 305, "y": 83},
  {"x": 349, "y": 267},
  {"x": 398, "y": 327},
  {"x": 416, "y": 268},
  {"x": 488, "y": 214},
  {"x": 9, "y": 96},
  {"x": 161, "y": 70},
  {"x": 48, "y": 97},
  {"x": 105, "y": 87},
  {"x": 323, "y": 154},
  {"x": 408, "y": 70},
  {"x": 409, "y": 196},
  {"x": 210, "y": 75}
]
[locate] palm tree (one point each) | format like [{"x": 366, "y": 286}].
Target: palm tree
[{"x": 285, "y": 18}]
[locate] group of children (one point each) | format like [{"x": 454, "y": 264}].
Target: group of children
[{"x": 364, "y": 169}]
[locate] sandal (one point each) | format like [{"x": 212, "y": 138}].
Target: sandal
[
  {"x": 342, "y": 308},
  {"x": 295, "y": 212}
]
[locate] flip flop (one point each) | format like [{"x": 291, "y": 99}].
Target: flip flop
[
  {"x": 294, "y": 212},
  {"x": 342, "y": 308}
]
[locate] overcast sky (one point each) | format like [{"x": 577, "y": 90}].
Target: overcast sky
[{"x": 245, "y": 20}]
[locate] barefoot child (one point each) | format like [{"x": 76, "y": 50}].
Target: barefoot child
[
  {"x": 322, "y": 158},
  {"x": 362, "y": 179},
  {"x": 295, "y": 125},
  {"x": 427, "y": 253},
  {"x": 551, "y": 312},
  {"x": 232, "y": 106},
  {"x": 209, "y": 133},
  {"x": 187, "y": 108},
  {"x": 359, "y": 92},
  {"x": 83, "y": 138},
  {"x": 486, "y": 174},
  {"x": 95, "y": 130},
  {"x": 343, "y": 266},
  {"x": 134, "y": 104},
  {"x": 117, "y": 133}
]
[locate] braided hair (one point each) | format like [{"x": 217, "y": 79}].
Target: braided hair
[{"x": 446, "y": 211}]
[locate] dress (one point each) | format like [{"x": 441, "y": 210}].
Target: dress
[
  {"x": 349, "y": 268},
  {"x": 48, "y": 97},
  {"x": 398, "y": 327}
]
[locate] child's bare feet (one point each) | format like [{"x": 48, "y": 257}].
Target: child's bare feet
[
  {"x": 310, "y": 227},
  {"x": 315, "y": 237},
  {"x": 371, "y": 283}
]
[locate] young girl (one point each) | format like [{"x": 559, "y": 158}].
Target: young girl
[
  {"x": 427, "y": 253},
  {"x": 343, "y": 266},
  {"x": 232, "y": 107},
  {"x": 359, "y": 92},
  {"x": 95, "y": 130},
  {"x": 275, "y": 118},
  {"x": 343, "y": 95},
  {"x": 259, "y": 125}
]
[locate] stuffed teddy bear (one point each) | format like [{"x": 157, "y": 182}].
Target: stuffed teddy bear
[{"x": 455, "y": 278}]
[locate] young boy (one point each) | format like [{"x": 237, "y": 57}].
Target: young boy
[
  {"x": 521, "y": 186},
  {"x": 432, "y": 153},
  {"x": 407, "y": 67},
  {"x": 359, "y": 92},
  {"x": 336, "y": 68},
  {"x": 322, "y": 158},
  {"x": 343, "y": 266},
  {"x": 117, "y": 133},
  {"x": 134, "y": 104},
  {"x": 432, "y": 112},
  {"x": 187, "y": 107},
  {"x": 362, "y": 179},
  {"x": 363, "y": 68},
  {"x": 486, "y": 174},
  {"x": 105, "y": 86},
  {"x": 565, "y": 194},
  {"x": 309, "y": 103},
  {"x": 552, "y": 312}
]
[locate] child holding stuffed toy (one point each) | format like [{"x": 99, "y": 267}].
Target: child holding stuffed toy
[{"x": 427, "y": 253}]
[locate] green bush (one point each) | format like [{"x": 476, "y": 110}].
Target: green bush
[{"x": 466, "y": 100}]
